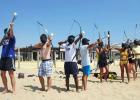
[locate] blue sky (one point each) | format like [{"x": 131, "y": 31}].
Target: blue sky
[{"x": 58, "y": 16}]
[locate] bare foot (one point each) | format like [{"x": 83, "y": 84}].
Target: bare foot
[
  {"x": 49, "y": 89},
  {"x": 134, "y": 79},
  {"x": 136, "y": 74},
  {"x": 82, "y": 88},
  {"x": 42, "y": 89},
  {"x": 128, "y": 80},
  {"x": 122, "y": 82},
  {"x": 14, "y": 92},
  {"x": 106, "y": 79},
  {"x": 5, "y": 91},
  {"x": 68, "y": 89}
]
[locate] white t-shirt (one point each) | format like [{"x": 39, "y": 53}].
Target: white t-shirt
[
  {"x": 70, "y": 52},
  {"x": 85, "y": 58},
  {"x": 137, "y": 50}
]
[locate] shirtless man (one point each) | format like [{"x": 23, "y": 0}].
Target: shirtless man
[{"x": 46, "y": 65}]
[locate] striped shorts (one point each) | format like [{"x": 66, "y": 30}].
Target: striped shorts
[{"x": 45, "y": 68}]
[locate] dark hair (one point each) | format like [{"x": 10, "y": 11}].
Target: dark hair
[
  {"x": 85, "y": 41},
  {"x": 124, "y": 45},
  {"x": 5, "y": 30},
  {"x": 43, "y": 38},
  {"x": 71, "y": 39},
  {"x": 101, "y": 44},
  {"x": 136, "y": 42}
]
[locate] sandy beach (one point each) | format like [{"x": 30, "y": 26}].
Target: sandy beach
[{"x": 28, "y": 88}]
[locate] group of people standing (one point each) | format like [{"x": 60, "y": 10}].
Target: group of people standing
[{"x": 129, "y": 59}]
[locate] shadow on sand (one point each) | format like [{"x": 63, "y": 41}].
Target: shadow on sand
[
  {"x": 33, "y": 88},
  {"x": 59, "y": 89}
]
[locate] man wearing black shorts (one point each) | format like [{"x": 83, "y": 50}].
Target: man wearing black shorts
[
  {"x": 70, "y": 65},
  {"x": 7, "y": 62}
]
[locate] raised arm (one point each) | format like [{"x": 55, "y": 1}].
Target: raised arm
[
  {"x": 79, "y": 38},
  {"x": 107, "y": 48},
  {"x": 37, "y": 46},
  {"x": 97, "y": 51},
  {"x": 117, "y": 49},
  {"x": 62, "y": 42},
  {"x": 49, "y": 42},
  {"x": 10, "y": 31},
  {"x": 92, "y": 45}
]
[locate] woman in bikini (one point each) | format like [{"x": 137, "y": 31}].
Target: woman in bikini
[{"x": 123, "y": 61}]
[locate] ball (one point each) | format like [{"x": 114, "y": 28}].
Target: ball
[
  {"x": 83, "y": 32},
  {"x": 52, "y": 34},
  {"x": 15, "y": 14}
]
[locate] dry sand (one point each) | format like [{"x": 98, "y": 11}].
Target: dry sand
[{"x": 29, "y": 87}]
